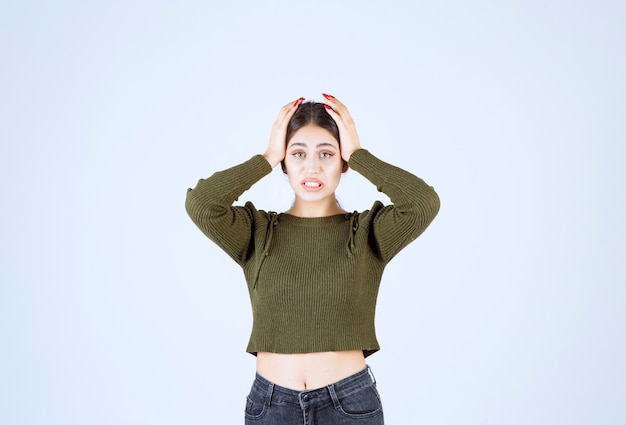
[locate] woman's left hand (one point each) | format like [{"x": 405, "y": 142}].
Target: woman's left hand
[{"x": 347, "y": 129}]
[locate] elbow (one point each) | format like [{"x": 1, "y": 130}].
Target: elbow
[
  {"x": 426, "y": 211},
  {"x": 435, "y": 203},
  {"x": 191, "y": 204},
  {"x": 203, "y": 209},
  {"x": 198, "y": 208}
]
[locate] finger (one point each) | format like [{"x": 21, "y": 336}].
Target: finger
[
  {"x": 287, "y": 111},
  {"x": 340, "y": 109},
  {"x": 291, "y": 107},
  {"x": 332, "y": 113},
  {"x": 342, "y": 118},
  {"x": 334, "y": 102}
]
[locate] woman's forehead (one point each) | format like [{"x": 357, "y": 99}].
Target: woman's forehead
[{"x": 313, "y": 137}]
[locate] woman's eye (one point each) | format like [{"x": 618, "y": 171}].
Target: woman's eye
[
  {"x": 326, "y": 155},
  {"x": 298, "y": 154}
]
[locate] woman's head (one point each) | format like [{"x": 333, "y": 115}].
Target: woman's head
[{"x": 312, "y": 114}]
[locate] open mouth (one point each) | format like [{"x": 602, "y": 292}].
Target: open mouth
[{"x": 312, "y": 185}]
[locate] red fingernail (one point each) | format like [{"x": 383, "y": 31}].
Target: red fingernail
[
  {"x": 326, "y": 106},
  {"x": 298, "y": 101},
  {"x": 328, "y": 96}
]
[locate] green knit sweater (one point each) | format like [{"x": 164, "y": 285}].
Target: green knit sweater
[{"x": 313, "y": 282}]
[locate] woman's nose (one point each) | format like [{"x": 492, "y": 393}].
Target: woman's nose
[{"x": 312, "y": 165}]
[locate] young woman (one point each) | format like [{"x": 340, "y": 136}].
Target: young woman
[{"x": 313, "y": 271}]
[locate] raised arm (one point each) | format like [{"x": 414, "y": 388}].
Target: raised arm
[
  {"x": 210, "y": 203},
  {"x": 210, "y": 207},
  {"x": 414, "y": 203}
]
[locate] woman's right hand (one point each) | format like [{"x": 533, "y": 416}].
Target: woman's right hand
[{"x": 276, "y": 149}]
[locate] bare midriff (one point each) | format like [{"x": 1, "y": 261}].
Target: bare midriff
[{"x": 309, "y": 370}]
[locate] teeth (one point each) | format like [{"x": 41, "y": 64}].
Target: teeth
[{"x": 311, "y": 184}]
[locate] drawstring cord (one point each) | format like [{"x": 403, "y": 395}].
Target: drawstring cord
[
  {"x": 354, "y": 226},
  {"x": 268, "y": 243}
]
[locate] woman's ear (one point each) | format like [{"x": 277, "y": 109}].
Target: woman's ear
[{"x": 344, "y": 168}]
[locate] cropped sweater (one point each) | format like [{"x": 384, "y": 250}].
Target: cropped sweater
[{"x": 313, "y": 282}]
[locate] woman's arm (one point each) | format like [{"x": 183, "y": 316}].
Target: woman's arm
[
  {"x": 414, "y": 203},
  {"x": 210, "y": 207},
  {"x": 209, "y": 204}
]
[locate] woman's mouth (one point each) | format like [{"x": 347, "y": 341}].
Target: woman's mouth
[{"x": 312, "y": 185}]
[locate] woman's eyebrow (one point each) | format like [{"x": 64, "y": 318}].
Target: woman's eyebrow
[{"x": 319, "y": 145}]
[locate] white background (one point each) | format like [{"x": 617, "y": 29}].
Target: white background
[{"x": 509, "y": 309}]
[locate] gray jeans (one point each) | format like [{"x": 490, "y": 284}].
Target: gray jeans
[{"x": 353, "y": 400}]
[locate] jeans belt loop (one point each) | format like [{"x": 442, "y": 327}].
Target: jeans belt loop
[
  {"x": 369, "y": 370},
  {"x": 270, "y": 393},
  {"x": 333, "y": 396}
]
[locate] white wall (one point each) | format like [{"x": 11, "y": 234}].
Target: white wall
[{"x": 115, "y": 309}]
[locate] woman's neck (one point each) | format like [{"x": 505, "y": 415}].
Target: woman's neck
[{"x": 302, "y": 208}]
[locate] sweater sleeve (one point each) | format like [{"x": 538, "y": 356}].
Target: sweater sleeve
[
  {"x": 414, "y": 204},
  {"x": 210, "y": 207}
]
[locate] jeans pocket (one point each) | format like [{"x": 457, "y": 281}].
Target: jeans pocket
[
  {"x": 362, "y": 403},
  {"x": 255, "y": 406}
]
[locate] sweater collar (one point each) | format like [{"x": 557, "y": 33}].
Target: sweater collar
[{"x": 314, "y": 221}]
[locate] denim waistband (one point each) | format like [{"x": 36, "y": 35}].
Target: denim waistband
[{"x": 341, "y": 388}]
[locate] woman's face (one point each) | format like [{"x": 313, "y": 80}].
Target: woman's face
[{"x": 313, "y": 164}]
